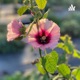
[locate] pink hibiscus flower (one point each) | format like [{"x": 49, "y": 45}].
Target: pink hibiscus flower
[
  {"x": 13, "y": 30},
  {"x": 46, "y": 36}
]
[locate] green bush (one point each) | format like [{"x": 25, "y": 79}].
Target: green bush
[
  {"x": 71, "y": 25},
  {"x": 19, "y": 76}
]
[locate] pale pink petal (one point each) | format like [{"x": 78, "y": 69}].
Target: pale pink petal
[
  {"x": 54, "y": 29},
  {"x": 45, "y": 24},
  {"x": 35, "y": 44},
  {"x": 11, "y": 36},
  {"x": 13, "y": 30}
]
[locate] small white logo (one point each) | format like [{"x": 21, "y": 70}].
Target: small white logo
[{"x": 71, "y": 8}]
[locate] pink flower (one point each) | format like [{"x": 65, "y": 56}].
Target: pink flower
[
  {"x": 46, "y": 36},
  {"x": 13, "y": 30}
]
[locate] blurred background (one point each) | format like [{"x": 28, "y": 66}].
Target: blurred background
[{"x": 16, "y": 57}]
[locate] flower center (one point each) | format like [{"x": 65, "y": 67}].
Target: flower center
[{"x": 43, "y": 37}]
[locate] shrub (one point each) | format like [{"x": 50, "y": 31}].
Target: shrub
[
  {"x": 70, "y": 27},
  {"x": 70, "y": 24}
]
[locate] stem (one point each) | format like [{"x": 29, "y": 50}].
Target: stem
[
  {"x": 45, "y": 52},
  {"x": 56, "y": 77},
  {"x": 31, "y": 4},
  {"x": 40, "y": 53},
  {"x": 31, "y": 25},
  {"x": 42, "y": 64},
  {"x": 37, "y": 25}
]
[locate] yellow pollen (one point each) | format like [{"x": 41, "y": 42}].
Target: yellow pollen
[{"x": 43, "y": 37}]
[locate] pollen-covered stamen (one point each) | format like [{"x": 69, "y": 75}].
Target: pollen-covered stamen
[{"x": 43, "y": 38}]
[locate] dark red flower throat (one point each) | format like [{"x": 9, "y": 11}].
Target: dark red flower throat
[{"x": 43, "y": 37}]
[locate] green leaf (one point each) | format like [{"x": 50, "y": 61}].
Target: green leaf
[
  {"x": 76, "y": 73},
  {"x": 70, "y": 46},
  {"x": 41, "y": 4},
  {"x": 76, "y": 54},
  {"x": 46, "y": 14},
  {"x": 63, "y": 38},
  {"x": 64, "y": 70},
  {"x": 51, "y": 61},
  {"x": 64, "y": 47},
  {"x": 22, "y": 10},
  {"x": 40, "y": 67},
  {"x": 68, "y": 43}
]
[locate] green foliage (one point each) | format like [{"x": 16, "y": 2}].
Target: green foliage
[
  {"x": 76, "y": 73},
  {"x": 70, "y": 25},
  {"x": 76, "y": 54},
  {"x": 40, "y": 67},
  {"x": 19, "y": 76},
  {"x": 49, "y": 62},
  {"x": 66, "y": 45},
  {"x": 64, "y": 70},
  {"x": 46, "y": 14},
  {"x": 22, "y": 10},
  {"x": 41, "y": 4}
]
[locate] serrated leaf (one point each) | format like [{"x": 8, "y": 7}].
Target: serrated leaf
[
  {"x": 64, "y": 70},
  {"x": 76, "y": 54},
  {"x": 46, "y": 14},
  {"x": 76, "y": 73},
  {"x": 41, "y": 4},
  {"x": 51, "y": 61},
  {"x": 40, "y": 67},
  {"x": 22, "y": 9}
]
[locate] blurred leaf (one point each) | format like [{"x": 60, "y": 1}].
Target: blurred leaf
[
  {"x": 63, "y": 38},
  {"x": 22, "y": 9},
  {"x": 46, "y": 14},
  {"x": 76, "y": 54},
  {"x": 40, "y": 67},
  {"x": 34, "y": 76},
  {"x": 26, "y": 2},
  {"x": 64, "y": 47},
  {"x": 45, "y": 77},
  {"x": 62, "y": 58},
  {"x": 76, "y": 73},
  {"x": 64, "y": 70},
  {"x": 51, "y": 61},
  {"x": 67, "y": 44},
  {"x": 41, "y": 3}
]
